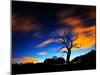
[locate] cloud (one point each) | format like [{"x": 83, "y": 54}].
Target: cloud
[
  {"x": 82, "y": 23},
  {"x": 38, "y": 34},
  {"x": 26, "y": 60},
  {"x": 58, "y": 32},
  {"x": 42, "y": 53},
  {"x": 45, "y": 43},
  {"x": 66, "y": 12},
  {"x": 15, "y": 59},
  {"x": 24, "y": 23},
  {"x": 72, "y": 21},
  {"x": 92, "y": 12},
  {"x": 69, "y": 17},
  {"x": 80, "y": 16},
  {"x": 86, "y": 36}
]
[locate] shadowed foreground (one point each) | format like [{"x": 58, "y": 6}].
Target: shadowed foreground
[{"x": 83, "y": 62}]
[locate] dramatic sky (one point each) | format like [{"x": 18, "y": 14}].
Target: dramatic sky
[{"x": 36, "y": 28}]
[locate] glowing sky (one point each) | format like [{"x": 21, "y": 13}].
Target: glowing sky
[{"x": 36, "y": 28}]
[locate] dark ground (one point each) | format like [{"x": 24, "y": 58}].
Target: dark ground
[{"x": 84, "y": 62}]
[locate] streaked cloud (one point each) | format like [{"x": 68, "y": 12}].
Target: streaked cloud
[
  {"x": 38, "y": 34},
  {"x": 86, "y": 37},
  {"x": 24, "y": 23},
  {"x": 26, "y": 60},
  {"x": 42, "y": 53},
  {"x": 66, "y": 12},
  {"x": 45, "y": 43},
  {"x": 92, "y": 12},
  {"x": 79, "y": 23},
  {"x": 72, "y": 21},
  {"x": 58, "y": 32},
  {"x": 69, "y": 17},
  {"x": 15, "y": 59}
]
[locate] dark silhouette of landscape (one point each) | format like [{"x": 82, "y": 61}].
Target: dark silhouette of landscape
[{"x": 83, "y": 62}]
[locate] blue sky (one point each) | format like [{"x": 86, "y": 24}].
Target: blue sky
[{"x": 36, "y": 29}]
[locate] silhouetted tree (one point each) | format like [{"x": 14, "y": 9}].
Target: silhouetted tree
[{"x": 67, "y": 40}]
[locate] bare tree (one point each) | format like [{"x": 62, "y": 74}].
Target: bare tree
[{"x": 67, "y": 42}]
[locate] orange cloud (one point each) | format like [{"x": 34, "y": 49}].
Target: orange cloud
[
  {"x": 67, "y": 17},
  {"x": 92, "y": 12},
  {"x": 72, "y": 21},
  {"x": 24, "y": 23},
  {"x": 26, "y": 60},
  {"x": 66, "y": 12},
  {"x": 86, "y": 37}
]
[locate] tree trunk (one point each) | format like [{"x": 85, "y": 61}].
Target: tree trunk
[{"x": 68, "y": 56}]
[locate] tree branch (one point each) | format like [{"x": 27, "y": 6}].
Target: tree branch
[
  {"x": 75, "y": 46},
  {"x": 58, "y": 50},
  {"x": 64, "y": 52},
  {"x": 76, "y": 36},
  {"x": 63, "y": 41},
  {"x": 62, "y": 47}
]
